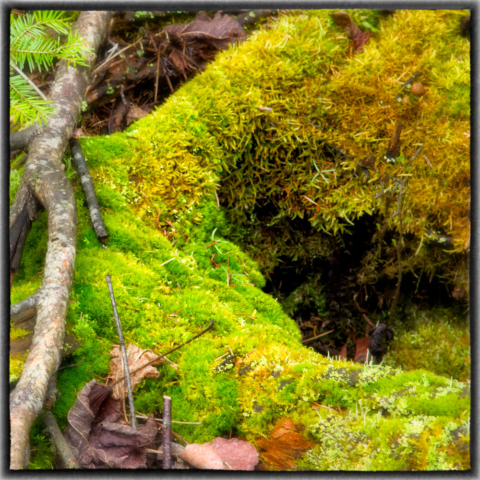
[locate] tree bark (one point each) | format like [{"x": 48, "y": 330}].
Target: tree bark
[
  {"x": 20, "y": 140},
  {"x": 46, "y": 181}
]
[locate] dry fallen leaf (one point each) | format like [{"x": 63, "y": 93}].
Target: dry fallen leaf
[
  {"x": 135, "y": 113},
  {"x": 286, "y": 444},
  {"x": 98, "y": 436},
  {"x": 237, "y": 454},
  {"x": 203, "y": 456},
  {"x": 136, "y": 357},
  {"x": 361, "y": 349}
]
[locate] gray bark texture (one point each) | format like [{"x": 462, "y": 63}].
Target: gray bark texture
[
  {"x": 20, "y": 140},
  {"x": 44, "y": 179}
]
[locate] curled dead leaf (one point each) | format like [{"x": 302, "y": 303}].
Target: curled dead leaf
[{"x": 136, "y": 357}]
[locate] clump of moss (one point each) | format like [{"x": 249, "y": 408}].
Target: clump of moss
[
  {"x": 436, "y": 340},
  {"x": 16, "y": 366}
]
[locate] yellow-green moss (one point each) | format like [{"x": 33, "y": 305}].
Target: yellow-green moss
[
  {"x": 17, "y": 332},
  {"x": 437, "y": 340},
  {"x": 16, "y": 366}
]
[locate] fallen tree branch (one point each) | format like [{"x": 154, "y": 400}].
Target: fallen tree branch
[
  {"x": 63, "y": 449},
  {"x": 20, "y": 140},
  {"x": 24, "y": 210},
  {"x": 89, "y": 189},
  {"x": 29, "y": 302},
  {"x": 45, "y": 180}
]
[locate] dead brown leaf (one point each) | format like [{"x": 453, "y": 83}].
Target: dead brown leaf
[
  {"x": 361, "y": 349},
  {"x": 135, "y": 113},
  {"x": 97, "y": 435},
  {"x": 286, "y": 444},
  {"x": 136, "y": 357}
]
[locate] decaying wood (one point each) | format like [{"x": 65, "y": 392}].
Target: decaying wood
[
  {"x": 89, "y": 189},
  {"x": 63, "y": 449},
  {"x": 45, "y": 180},
  {"x": 23, "y": 316}
]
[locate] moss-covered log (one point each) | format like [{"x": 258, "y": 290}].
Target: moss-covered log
[{"x": 172, "y": 255}]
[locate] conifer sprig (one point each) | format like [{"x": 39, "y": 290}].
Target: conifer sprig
[{"x": 30, "y": 48}]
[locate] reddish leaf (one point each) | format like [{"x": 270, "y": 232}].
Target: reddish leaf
[
  {"x": 360, "y": 40},
  {"x": 361, "y": 350},
  {"x": 343, "y": 351},
  {"x": 286, "y": 444},
  {"x": 358, "y": 37},
  {"x": 203, "y": 456},
  {"x": 238, "y": 454}
]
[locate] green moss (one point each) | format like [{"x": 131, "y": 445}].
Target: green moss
[
  {"x": 437, "y": 340},
  {"x": 17, "y": 332}
]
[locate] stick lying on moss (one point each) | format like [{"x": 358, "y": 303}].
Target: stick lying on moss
[
  {"x": 61, "y": 445},
  {"x": 121, "y": 379},
  {"x": 87, "y": 184}
]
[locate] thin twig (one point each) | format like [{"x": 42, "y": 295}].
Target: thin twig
[
  {"x": 124, "y": 352},
  {"x": 167, "y": 426},
  {"x": 61, "y": 445},
  {"x": 164, "y": 263},
  {"x": 74, "y": 365},
  {"x": 116, "y": 55},
  {"x": 367, "y": 320},
  {"x": 318, "y": 336},
  {"x": 240, "y": 313},
  {"x": 29, "y": 81},
  {"x": 132, "y": 372},
  {"x": 156, "y": 80}
]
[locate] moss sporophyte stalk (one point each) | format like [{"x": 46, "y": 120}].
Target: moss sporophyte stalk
[{"x": 172, "y": 249}]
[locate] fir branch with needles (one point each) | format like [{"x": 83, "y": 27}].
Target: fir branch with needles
[{"x": 32, "y": 48}]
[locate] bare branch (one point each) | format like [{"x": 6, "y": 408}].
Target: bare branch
[
  {"x": 61, "y": 445},
  {"x": 89, "y": 189}
]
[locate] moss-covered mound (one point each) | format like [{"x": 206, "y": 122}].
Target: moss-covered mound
[
  {"x": 173, "y": 268},
  {"x": 281, "y": 125}
]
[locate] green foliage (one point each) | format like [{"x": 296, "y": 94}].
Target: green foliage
[
  {"x": 15, "y": 179},
  {"x": 32, "y": 47}
]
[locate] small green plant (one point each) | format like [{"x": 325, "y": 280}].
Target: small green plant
[
  {"x": 143, "y": 15},
  {"x": 32, "y": 48}
]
